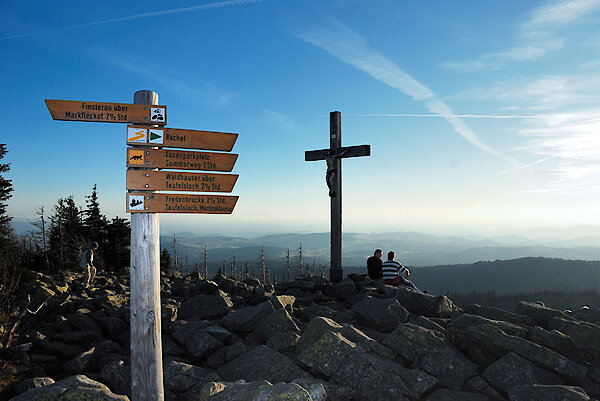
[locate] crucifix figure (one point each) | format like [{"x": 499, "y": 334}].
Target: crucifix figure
[{"x": 333, "y": 177}]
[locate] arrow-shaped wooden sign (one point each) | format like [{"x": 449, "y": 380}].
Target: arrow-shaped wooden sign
[
  {"x": 180, "y": 138},
  {"x": 76, "y": 110},
  {"x": 178, "y": 203},
  {"x": 180, "y": 159},
  {"x": 179, "y": 181}
]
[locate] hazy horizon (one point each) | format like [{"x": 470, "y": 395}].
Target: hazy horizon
[{"x": 533, "y": 233}]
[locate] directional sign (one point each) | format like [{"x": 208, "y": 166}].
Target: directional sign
[
  {"x": 180, "y": 159},
  {"x": 75, "y": 110},
  {"x": 181, "y": 138},
  {"x": 179, "y": 181},
  {"x": 177, "y": 203}
]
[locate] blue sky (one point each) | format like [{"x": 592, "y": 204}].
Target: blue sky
[{"x": 481, "y": 116}]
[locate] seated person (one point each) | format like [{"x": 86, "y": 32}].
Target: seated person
[
  {"x": 392, "y": 272},
  {"x": 374, "y": 265}
]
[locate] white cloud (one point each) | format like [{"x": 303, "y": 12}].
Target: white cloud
[
  {"x": 349, "y": 47},
  {"x": 561, "y": 138},
  {"x": 569, "y": 147},
  {"x": 548, "y": 92},
  {"x": 591, "y": 64},
  {"x": 536, "y": 36},
  {"x": 558, "y": 14}
]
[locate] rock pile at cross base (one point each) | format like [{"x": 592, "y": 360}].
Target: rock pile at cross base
[{"x": 308, "y": 339}]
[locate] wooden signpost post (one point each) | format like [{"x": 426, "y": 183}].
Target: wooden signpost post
[
  {"x": 144, "y": 159},
  {"x": 145, "y": 311},
  {"x": 333, "y": 177}
]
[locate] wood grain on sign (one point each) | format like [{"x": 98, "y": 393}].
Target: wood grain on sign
[
  {"x": 179, "y": 181},
  {"x": 180, "y": 159},
  {"x": 183, "y": 138},
  {"x": 76, "y": 110},
  {"x": 180, "y": 203}
]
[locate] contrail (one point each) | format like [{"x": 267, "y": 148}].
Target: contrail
[
  {"x": 351, "y": 48},
  {"x": 528, "y": 165},
  {"x": 489, "y": 116},
  {"x": 210, "y": 6}
]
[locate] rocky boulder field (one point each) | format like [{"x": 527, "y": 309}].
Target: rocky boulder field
[{"x": 309, "y": 339}]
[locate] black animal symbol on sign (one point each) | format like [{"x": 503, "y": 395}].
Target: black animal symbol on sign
[
  {"x": 137, "y": 157},
  {"x": 157, "y": 115},
  {"x": 135, "y": 202}
]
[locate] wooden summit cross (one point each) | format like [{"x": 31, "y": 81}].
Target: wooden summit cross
[{"x": 333, "y": 156}]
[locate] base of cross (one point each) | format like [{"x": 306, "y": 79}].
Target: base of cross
[{"x": 335, "y": 276}]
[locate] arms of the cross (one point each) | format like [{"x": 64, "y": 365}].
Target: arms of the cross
[
  {"x": 344, "y": 152},
  {"x": 331, "y": 157}
]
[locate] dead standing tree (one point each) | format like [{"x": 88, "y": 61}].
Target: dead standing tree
[
  {"x": 205, "y": 274},
  {"x": 262, "y": 265}
]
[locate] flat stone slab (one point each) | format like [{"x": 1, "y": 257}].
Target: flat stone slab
[
  {"x": 383, "y": 315},
  {"x": 78, "y": 388},
  {"x": 487, "y": 335},
  {"x": 373, "y": 378},
  {"x": 262, "y": 363},
  {"x": 512, "y": 370}
]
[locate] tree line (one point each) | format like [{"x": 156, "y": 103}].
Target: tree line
[{"x": 61, "y": 234}]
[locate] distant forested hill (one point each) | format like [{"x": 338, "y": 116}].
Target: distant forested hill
[{"x": 510, "y": 276}]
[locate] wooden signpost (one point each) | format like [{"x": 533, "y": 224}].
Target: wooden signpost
[
  {"x": 333, "y": 177},
  {"x": 180, "y": 138},
  {"x": 75, "y": 110},
  {"x": 144, "y": 203},
  {"x": 180, "y": 159},
  {"x": 179, "y": 181}
]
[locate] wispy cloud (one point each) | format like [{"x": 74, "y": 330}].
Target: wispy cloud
[
  {"x": 561, "y": 142},
  {"x": 536, "y": 36},
  {"x": 171, "y": 11},
  {"x": 349, "y": 47},
  {"x": 547, "y": 92},
  {"x": 591, "y": 64},
  {"x": 167, "y": 78},
  {"x": 568, "y": 145}
]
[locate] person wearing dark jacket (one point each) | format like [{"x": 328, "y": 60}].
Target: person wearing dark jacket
[{"x": 374, "y": 265}]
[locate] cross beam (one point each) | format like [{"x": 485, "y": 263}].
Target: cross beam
[
  {"x": 333, "y": 177},
  {"x": 347, "y": 151}
]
